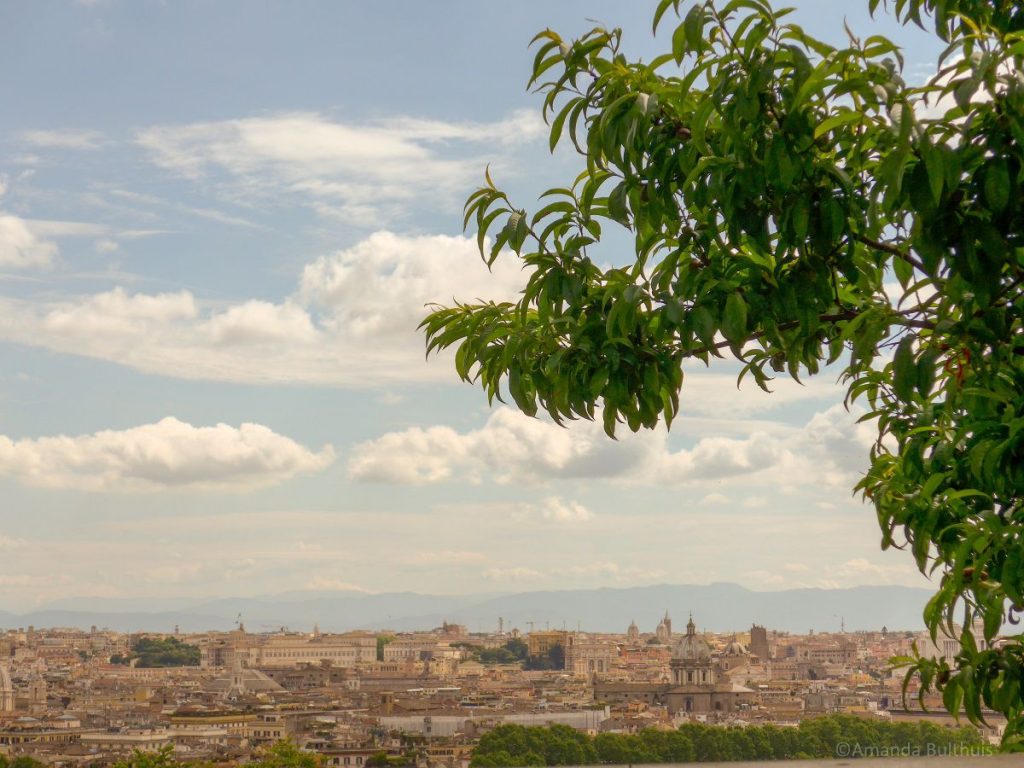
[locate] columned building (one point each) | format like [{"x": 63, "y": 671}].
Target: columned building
[{"x": 6, "y": 691}]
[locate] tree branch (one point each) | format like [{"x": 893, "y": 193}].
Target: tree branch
[{"x": 892, "y": 250}]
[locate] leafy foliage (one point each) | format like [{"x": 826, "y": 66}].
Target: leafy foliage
[
  {"x": 382, "y": 641},
  {"x": 794, "y": 204},
  {"x": 822, "y": 737},
  {"x": 22, "y": 761},
  {"x": 163, "y": 652},
  {"x": 161, "y": 758},
  {"x": 282, "y": 754},
  {"x": 285, "y": 754},
  {"x": 512, "y": 652},
  {"x": 553, "y": 659}
]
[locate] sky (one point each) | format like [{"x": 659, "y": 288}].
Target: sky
[{"x": 219, "y": 226}]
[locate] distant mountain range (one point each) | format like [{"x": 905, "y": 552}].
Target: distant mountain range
[{"x": 719, "y": 607}]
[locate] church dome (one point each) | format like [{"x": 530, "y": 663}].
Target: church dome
[
  {"x": 735, "y": 648},
  {"x": 691, "y": 646}
]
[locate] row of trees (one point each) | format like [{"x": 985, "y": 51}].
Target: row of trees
[
  {"x": 823, "y": 737},
  {"x": 283, "y": 754}
]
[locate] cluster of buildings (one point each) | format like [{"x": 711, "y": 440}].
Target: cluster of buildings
[{"x": 426, "y": 696}]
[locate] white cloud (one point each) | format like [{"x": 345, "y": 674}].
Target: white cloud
[
  {"x": 360, "y": 172},
  {"x": 513, "y": 448},
  {"x": 20, "y": 247},
  {"x": 352, "y": 321},
  {"x": 49, "y": 139},
  {"x": 256, "y": 322},
  {"x": 552, "y": 509},
  {"x": 555, "y": 508},
  {"x": 378, "y": 288},
  {"x": 166, "y": 455}
]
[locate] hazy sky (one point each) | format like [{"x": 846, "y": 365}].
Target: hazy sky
[{"x": 219, "y": 223}]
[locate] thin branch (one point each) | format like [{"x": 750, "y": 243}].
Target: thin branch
[{"x": 892, "y": 250}]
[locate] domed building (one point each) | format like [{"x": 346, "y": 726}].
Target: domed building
[
  {"x": 735, "y": 655},
  {"x": 697, "y": 682},
  {"x": 633, "y": 634},
  {"x": 691, "y": 659},
  {"x": 664, "y": 630}
]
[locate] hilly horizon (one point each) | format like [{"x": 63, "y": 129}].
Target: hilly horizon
[{"x": 718, "y": 607}]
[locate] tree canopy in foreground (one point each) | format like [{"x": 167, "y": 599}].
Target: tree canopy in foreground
[
  {"x": 795, "y": 204},
  {"x": 820, "y": 737}
]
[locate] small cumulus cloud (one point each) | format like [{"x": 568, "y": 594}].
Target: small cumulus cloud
[
  {"x": 169, "y": 454},
  {"x": 53, "y": 139},
  {"x": 561, "y": 511},
  {"x": 21, "y": 247}
]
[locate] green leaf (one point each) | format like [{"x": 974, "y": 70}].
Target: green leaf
[
  {"x": 904, "y": 370},
  {"x": 663, "y": 6},
  {"x": 734, "y": 320},
  {"x": 843, "y": 118},
  {"x": 693, "y": 25},
  {"x": 935, "y": 168},
  {"x": 926, "y": 370},
  {"x": 617, "y": 208},
  {"x": 997, "y": 184}
]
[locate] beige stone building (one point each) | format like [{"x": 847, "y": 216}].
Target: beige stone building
[{"x": 587, "y": 657}]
